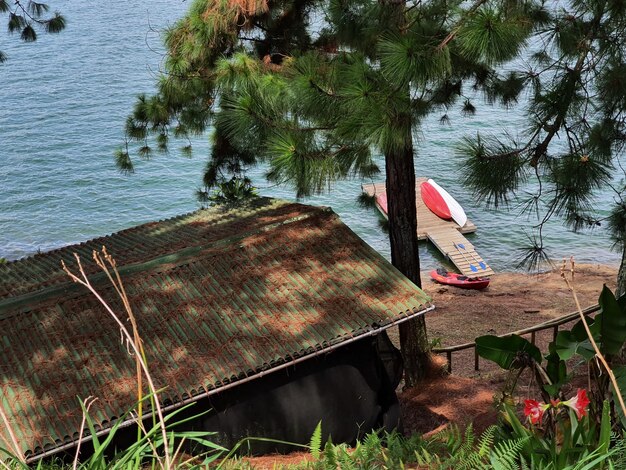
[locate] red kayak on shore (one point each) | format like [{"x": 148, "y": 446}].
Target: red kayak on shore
[{"x": 458, "y": 280}]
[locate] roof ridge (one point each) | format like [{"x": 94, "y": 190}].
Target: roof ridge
[
  {"x": 13, "y": 304},
  {"x": 38, "y": 254}
]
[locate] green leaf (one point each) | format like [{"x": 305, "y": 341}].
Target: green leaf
[
  {"x": 622, "y": 301},
  {"x": 145, "y": 151},
  {"x": 591, "y": 461},
  {"x": 508, "y": 351},
  {"x": 556, "y": 370},
  {"x": 579, "y": 332},
  {"x": 613, "y": 327},
  {"x": 519, "y": 430},
  {"x": 493, "y": 169},
  {"x": 620, "y": 378},
  {"x": 567, "y": 345},
  {"x": 604, "y": 439}
]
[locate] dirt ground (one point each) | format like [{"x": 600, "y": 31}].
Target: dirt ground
[{"x": 511, "y": 302}]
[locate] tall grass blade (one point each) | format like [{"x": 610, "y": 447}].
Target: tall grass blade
[{"x": 13, "y": 461}]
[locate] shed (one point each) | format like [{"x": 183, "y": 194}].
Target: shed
[{"x": 222, "y": 297}]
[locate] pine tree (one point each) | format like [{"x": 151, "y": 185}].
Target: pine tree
[
  {"x": 25, "y": 16},
  {"x": 576, "y": 125},
  {"x": 313, "y": 88}
]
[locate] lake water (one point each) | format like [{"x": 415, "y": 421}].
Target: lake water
[{"x": 64, "y": 102}]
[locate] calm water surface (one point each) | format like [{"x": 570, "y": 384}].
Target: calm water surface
[{"x": 64, "y": 100}]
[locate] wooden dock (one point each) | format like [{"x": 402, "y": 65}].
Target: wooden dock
[{"x": 444, "y": 234}]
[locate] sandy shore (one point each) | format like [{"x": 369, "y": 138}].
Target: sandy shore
[{"x": 511, "y": 302}]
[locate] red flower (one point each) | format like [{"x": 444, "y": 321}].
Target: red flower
[
  {"x": 535, "y": 410},
  {"x": 578, "y": 403}
]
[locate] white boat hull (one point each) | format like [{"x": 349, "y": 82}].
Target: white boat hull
[{"x": 456, "y": 211}]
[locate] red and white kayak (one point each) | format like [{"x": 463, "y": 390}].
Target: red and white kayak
[
  {"x": 437, "y": 199},
  {"x": 434, "y": 200},
  {"x": 456, "y": 211},
  {"x": 458, "y": 280}
]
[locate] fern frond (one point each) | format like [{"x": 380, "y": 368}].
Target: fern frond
[
  {"x": 344, "y": 459},
  {"x": 471, "y": 461},
  {"x": 330, "y": 455},
  {"x": 506, "y": 454},
  {"x": 468, "y": 444},
  {"x": 425, "y": 458},
  {"x": 315, "y": 444},
  {"x": 486, "y": 440},
  {"x": 452, "y": 436},
  {"x": 372, "y": 447}
]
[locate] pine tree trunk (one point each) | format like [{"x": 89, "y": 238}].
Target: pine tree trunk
[
  {"x": 621, "y": 275},
  {"x": 400, "y": 182}
]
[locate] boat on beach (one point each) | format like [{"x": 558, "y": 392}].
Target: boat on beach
[{"x": 458, "y": 280}]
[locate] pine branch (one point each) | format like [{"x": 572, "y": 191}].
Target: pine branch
[
  {"x": 283, "y": 125},
  {"x": 245, "y": 38},
  {"x": 459, "y": 24},
  {"x": 33, "y": 11},
  {"x": 35, "y": 18},
  {"x": 328, "y": 93},
  {"x": 573, "y": 76}
]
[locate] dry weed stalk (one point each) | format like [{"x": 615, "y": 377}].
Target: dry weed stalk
[
  {"x": 13, "y": 445},
  {"x": 118, "y": 285},
  {"x": 86, "y": 405},
  {"x": 107, "y": 264},
  {"x": 599, "y": 355}
]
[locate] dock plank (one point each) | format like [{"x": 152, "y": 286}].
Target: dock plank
[
  {"x": 444, "y": 234},
  {"x": 427, "y": 221},
  {"x": 464, "y": 259}
]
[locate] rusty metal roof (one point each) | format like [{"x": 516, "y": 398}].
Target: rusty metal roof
[{"x": 219, "y": 295}]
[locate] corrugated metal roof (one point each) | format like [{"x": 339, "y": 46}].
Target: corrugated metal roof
[{"x": 219, "y": 295}]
